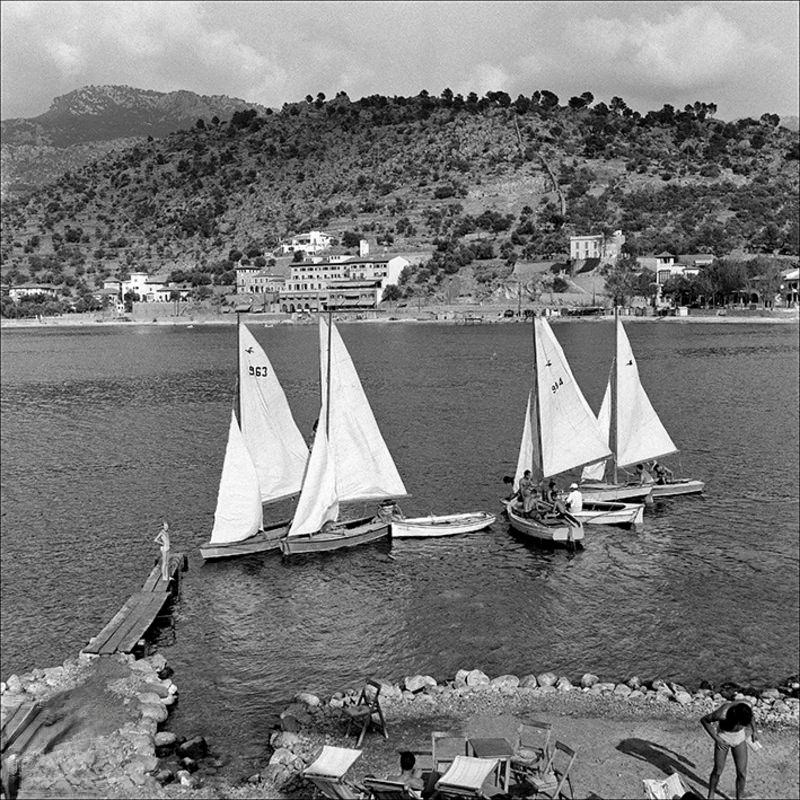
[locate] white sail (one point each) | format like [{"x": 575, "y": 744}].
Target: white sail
[
  {"x": 528, "y": 447},
  {"x": 239, "y": 512},
  {"x": 569, "y": 431},
  {"x": 640, "y": 434},
  {"x": 364, "y": 466},
  {"x": 596, "y": 471},
  {"x": 270, "y": 433},
  {"x": 318, "y": 502}
]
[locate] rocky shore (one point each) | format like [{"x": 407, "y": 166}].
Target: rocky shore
[{"x": 104, "y": 717}]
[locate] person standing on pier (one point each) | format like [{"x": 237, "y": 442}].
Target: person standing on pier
[
  {"x": 733, "y": 720},
  {"x": 162, "y": 538}
]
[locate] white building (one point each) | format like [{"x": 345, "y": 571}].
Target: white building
[
  {"x": 27, "y": 289},
  {"x": 666, "y": 265},
  {"x": 607, "y": 249},
  {"x": 309, "y": 243},
  {"x": 152, "y": 289},
  {"x": 256, "y": 280},
  {"x": 356, "y": 283}
]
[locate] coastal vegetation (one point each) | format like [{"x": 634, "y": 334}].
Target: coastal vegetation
[{"x": 479, "y": 183}]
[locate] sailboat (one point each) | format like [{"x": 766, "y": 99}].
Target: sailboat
[
  {"x": 264, "y": 459},
  {"x": 560, "y": 433},
  {"x": 635, "y": 432},
  {"x": 349, "y": 461}
]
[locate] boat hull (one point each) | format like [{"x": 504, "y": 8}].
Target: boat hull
[
  {"x": 551, "y": 531},
  {"x": 608, "y": 513},
  {"x": 352, "y": 534},
  {"x": 677, "y": 488},
  {"x": 263, "y": 541},
  {"x": 445, "y": 525},
  {"x": 611, "y": 492}
]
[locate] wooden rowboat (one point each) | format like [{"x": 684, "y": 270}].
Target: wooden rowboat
[
  {"x": 351, "y": 533},
  {"x": 444, "y": 525},
  {"x": 267, "y": 539},
  {"x": 616, "y": 492},
  {"x": 676, "y": 487},
  {"x": 607, "y": 513},
  {"x": 559, "y": 529}
]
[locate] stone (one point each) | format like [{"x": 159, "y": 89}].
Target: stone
[
  {"x": 416, "y": 683},
  {"x": 780, "y": 707},
  {"x": 564, "y": 684},
  {"x": 461, "y": 678},
  {"x": 604, "y": 686},
  {"x": 676, "y": 687},
  {"x": 336, "y": 702},
  {"x": 143, "y": 665},
  {"x": 284, "y": 739},
  {"x": 254, "y": 778},
  {"x": 189, "y": 764},
  {"x": 408, "y": 695},
  {"x": 528, "y": 682},
  {"x": 547, "y": 689},
  {"x": 662, "y": 697},
  {"x": 148, "y": 697},
  {"x": 771, "y": 694},
  {"x": 164, "y": 776},
  {"x": 656, "y": 684},
  {"x": 169, "y": 700},
  {"x": 390, "y": 691},
  {"x": 155, "y": 686},
  {"x": 588, "y": 680},
  {"x": 636, "y": 694},
  {"x": 14, "y": 684},
  {"x": 622, "y": 690},
  {"x": 195, "y": 748},
  {"x": 683, "y": 698},
  {"x": 186, "y": 779},
  {"x": 3, "y": 687},
  {"x": 165, "y": 742},
  {"x": 634, "y": 682},
  {"x": 282, "y": 756},
  {"x": 53, "y": 675},
  {"x": 307, "y": 699},
  {"x": 477, "y": 678},
  {"x": 506, "y": 683},
  {"x": 154, "y": 711},
  {"x": 547, "y": 679},
  {"x": 156, "y": 661}
]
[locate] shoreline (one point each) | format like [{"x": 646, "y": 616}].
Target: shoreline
[
  {"x": 72, "y": 321},
  {"x": 121, "y": 745}
]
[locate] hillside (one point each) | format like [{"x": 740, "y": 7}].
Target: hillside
[
  {"x": 89, "y": 122},
  {"x": 488, "y": 181}
]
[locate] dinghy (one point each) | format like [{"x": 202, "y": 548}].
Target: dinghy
[
  {"x": 444, "y": 525},
  {"x": 635, "y": 433},
  {"x": 264, "y": 459},
  {"x": 560, "y": 433},
  {"x": 608, "y": 513},
  {"x": 349, "y": 461}
]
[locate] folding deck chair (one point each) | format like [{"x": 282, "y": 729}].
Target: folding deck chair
[
  {"x": 445, "y": 747},
  {"x": 367, "y": 711},
  {"x": 465, "y": 778},
  {"x": 664, "y": 789},
  {"x": 550, "y": 781},
  {"x": 327, "y": 773},
  {"x": 388, "y": 790},
  {"x": 533, "y": 748}
]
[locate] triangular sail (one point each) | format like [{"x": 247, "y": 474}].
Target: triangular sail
[
  {"x": 569, "y": 431},
  {"x": 529, "y": 446},
  {"x": 640, "y": 434},
  {"x": 268, "y": 427},
  {"x": 318, "y": 502},
  {"x": 364, "y": 467},
  {"x": 596, "y": 471},
  {"x": 239, "y": 512}
]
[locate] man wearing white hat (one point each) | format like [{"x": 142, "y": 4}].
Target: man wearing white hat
[{"x": 574, "y": 498}]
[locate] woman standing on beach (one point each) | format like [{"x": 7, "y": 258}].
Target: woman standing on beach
[{"x": 732, "y": 720}]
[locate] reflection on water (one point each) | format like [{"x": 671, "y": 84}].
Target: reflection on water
[{"x": 105, "y": 433}]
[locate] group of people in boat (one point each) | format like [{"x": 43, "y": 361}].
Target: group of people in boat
[
  {"x": 654, "y": 472},
  {"x": 544, "y": 499}
]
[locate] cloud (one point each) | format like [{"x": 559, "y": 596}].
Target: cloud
[
  {"x": 487, "y": 77},
  {"x": 67, "y": 57}
]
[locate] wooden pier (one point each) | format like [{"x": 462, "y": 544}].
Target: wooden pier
[{"x": 129, "y": 625}]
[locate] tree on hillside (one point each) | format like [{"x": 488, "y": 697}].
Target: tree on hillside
[{"x": 624, "y": 280}]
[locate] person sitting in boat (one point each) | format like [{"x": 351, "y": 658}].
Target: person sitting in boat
[
  {"x": 387, "y": 511},
  {"x": 663, "y": 474},
  {"x": 554, "y": 498},
  {"x": 574, "y": 500},
  {"x": 527, "y": 492},
  {"x": 643, "y": 476}
]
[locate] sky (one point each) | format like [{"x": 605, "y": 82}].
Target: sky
[{"x": 743, "y": 56}]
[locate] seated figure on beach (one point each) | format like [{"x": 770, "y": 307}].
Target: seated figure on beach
[{"x": 409, "y": 776}]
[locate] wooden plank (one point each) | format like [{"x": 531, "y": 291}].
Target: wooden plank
[
  {"x": 17, "y": 723},
  {"x": 25, "y": 732},
  {"x": 152, "y": 579},
  {"x": 140, "y": 618},
  {"x": 111, "y": 627},
  {"x": 143, "y": 624}
]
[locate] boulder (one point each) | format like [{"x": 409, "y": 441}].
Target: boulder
[
  {"x": 390, "y": 691},
  {"x": 622, "y": 690},
  {"x": 195, "y": 748},
  {"x": 156, "y": 661},
  {"x": 164, "y": 776},
  {"x": 657, "y": 683},
  {"x": 461, "y": 678},
  {"x": 416, "y": 683},
  {"x": 528, "y": 682},
  {"x": 683, "y": 698},
  {"x": 187, "y": 779},
  {"x": 588, "y": 680},
  {"x": 154, "y": 711},
  {"x": 604, "y": 686},
  {"x": 336, "y": 702},
  {"x": 547, "y": 689},
  {"x": 156, "y": 687},
  {"x": 165, "y": 742},
  {"x": 636, "y": 694},
  {"x": 477, "y": 678},
  {"x": 254, "y": 778},
  {"x": 148, "y": 697},
  {"x": 504, "y": 683},
  {"x": 547, "y": 679},
  {"x": 408, "y": 695},
  {"x": 284, "y": 739},
  {"x": 563, "y": 684},
  {"x": 282, "y": 756},
  {"x": 189, "y": 764},
  {"x": 14, "y": 684},
  {"x": 634, "y": 682},
  {"x": 307, "y": 699},
  {"x": 771, "y": 694}
]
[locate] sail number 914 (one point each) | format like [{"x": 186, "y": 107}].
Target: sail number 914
[
  {"x": 554, "y": 387},
  {"x": 258, "y": 372}
]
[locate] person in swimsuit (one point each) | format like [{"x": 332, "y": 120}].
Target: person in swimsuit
[{"x": 733, "y": 720}]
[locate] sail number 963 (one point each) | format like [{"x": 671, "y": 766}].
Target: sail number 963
[
  {"x": 258, "y": 372},
  {"x": 554, "y": 387}
]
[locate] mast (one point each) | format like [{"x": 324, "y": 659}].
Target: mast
[
  {"x": 613, "y": 426},
  {"x": 238, "y": 367},
  {"x": 328, "y": 376},
  {"x": 540, "y": 465}
]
